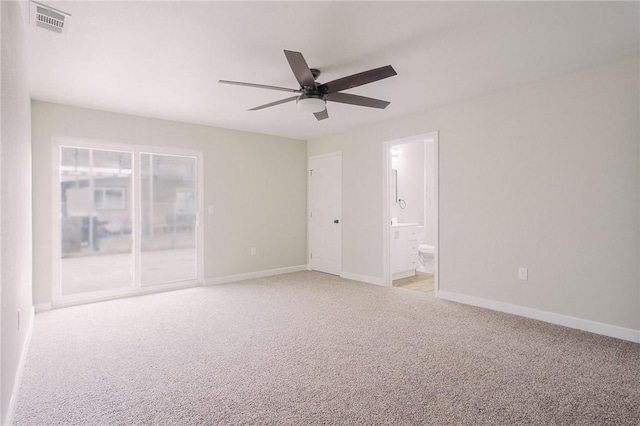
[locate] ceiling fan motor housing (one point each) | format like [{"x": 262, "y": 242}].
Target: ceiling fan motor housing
[{"x": 315, "y": 73}]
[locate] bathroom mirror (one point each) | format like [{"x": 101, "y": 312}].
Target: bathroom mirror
[{"x": 394, "y": 186}]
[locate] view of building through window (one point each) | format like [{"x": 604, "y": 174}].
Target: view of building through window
[{"x": 99, "y": 231}]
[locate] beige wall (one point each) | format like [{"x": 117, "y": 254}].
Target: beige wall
[
  {"x": 15, "y": 201},
  {"x": 256, "y": 184},
  {"x": 544, "y": 176}
]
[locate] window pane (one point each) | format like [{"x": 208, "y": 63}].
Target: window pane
[
  {"x": 168, "y": 232},
  {"x": 96, "y": 239}
]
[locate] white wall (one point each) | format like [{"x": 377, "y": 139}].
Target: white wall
[
  {"x": 256, "y": 183},
  {"x": 544, "y": 176},
  {"x": 15, "y": 202},
  {"x": 411, "y": 183},
  {"x": 431, "y": 223}
]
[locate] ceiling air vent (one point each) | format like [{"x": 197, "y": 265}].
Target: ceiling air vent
[{"x": 49, "y": 18}]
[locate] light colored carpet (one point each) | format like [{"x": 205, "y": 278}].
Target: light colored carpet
[{"x": 308, "y": 348}]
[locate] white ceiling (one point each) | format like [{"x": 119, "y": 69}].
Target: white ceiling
[{"x": 163, "y": 59}]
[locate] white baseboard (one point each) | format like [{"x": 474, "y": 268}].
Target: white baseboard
[
  {"x": 362, "y": 278},
  {"x": 252, "y": 275},
  {"x": 550, "y": 317},
  {"x": 41, "y": 307},
  {"x": 22, "y": 361},
  {"x": 83, "y": 299}
]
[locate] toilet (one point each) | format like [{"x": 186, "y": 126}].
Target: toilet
[{"x": 425, "y": 253}]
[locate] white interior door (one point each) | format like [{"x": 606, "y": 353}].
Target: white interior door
[{"x": 325, "y": 213}]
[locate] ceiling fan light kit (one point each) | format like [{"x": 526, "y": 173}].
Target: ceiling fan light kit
[
  {"x": 313, "y": 96},
  {"x": 310, "y": 103}
]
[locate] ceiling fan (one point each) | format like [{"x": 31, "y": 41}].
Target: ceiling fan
[{"x": 312, "y": 96}]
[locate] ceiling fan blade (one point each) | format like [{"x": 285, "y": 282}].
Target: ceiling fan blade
[
  {"x": 347, "y": 98},
  {"x": 300, "y": 69},
  {"x": 281, "y": 101},
  {"x": 260, "y": 86},
  {"x": 322, "y": 115},
  {"x": 359, "y": 79}
]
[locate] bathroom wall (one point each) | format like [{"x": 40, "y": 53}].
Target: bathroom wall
[
  {"x": 409, "y": 162},
  {"x": 417, "y": 185},
  {"x": 431, "y": 222}
]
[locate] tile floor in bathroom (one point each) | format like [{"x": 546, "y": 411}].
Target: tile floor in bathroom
[{"x": 422, "y": 282}]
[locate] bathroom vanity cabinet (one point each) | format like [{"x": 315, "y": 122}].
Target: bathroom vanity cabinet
[{"x": 404, "y": 250}]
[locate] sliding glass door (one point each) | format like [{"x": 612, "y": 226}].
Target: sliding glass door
[
  {"x": 95, "y": 212},
  {"x": 127, "y": 220},
  {"x": 168, "y": 207}
]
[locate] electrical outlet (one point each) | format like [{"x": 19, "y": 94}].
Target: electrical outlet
[
  {"x": 210, "y": 209},
  {"x": 523, "y": 274},
  {"x": 254, "y": 251},
  {"x": 18, "y": 319}
]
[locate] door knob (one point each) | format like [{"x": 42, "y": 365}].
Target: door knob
[{"x": 336, "y": 221}]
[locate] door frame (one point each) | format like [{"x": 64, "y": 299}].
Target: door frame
[
  {"x": 60, "y": 300},
  {"x": 314, "y": 157},
  {"x": 386, "y": 207}
]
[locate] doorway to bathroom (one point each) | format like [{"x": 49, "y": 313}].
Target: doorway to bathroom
[{"x": 410, "y": 213}]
